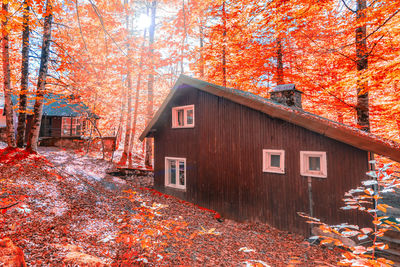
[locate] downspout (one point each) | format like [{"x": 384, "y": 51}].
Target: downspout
[{"x": 310, "y": 200}]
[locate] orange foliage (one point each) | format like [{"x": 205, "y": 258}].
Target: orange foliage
[{"x": 89, "y": 56}]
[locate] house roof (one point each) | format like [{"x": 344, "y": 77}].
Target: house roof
[
  {"x": 58, "y": 105},
  {"x": 341, "y": 132}
]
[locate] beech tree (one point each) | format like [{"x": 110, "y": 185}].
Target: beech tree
[
  {"x": 128, "y": 130},
  {"x": 150, "y": 82},
  {"x": 24, "y": 76},
  {"x": 362, "y": 64},
  {"x": 40, "y": 91},
  {"x": 137, "y": 96},
  {"x": 6, "y": 77}
]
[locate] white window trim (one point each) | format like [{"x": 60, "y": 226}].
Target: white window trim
[
  {"x": 166, "y": 182},
  {"x": 175, "y": 116},
  {"x": 267, "y": 161},
  {"x": 304, "y": 164}
]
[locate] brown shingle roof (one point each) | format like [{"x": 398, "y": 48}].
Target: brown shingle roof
[{"x": 312, "y": 122}]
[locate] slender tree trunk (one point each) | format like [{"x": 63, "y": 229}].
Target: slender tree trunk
[
  {"x": 362, "y": 107},
  {"x": 184, "y": 36},
  {"x": 224, "y": 44},
  {"x": 201, "y": 50},
  {"x": 128, "y": 129},
  {"x": 136, "y": 107},
  {"x": 279, "y": 61},
  {"x": 150, "y": 84},
  {"x": 7, "y": 84},
  {"x": 121, "y": 120},
  {"x": 24, "y": 77},
  {"x": 134, "y": 118},
  {"x": 33, "y": 136}
]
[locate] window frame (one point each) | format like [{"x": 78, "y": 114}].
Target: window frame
[
  {"x": 167, "y": 171},
  {"x": 185, "y": 111},
  {"x": 267, "y": 153},
  {"x": 71, "y": 124},
  {"x": 305, "y": 164}
]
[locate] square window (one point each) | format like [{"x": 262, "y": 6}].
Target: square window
[
  {"x": 273, "y": 161},
  {"x": 175, "y": 172},
  {"x": 313, "y": 164},
  {"x": 183, "y": 117},
  {"x": 71, "y": 126}
]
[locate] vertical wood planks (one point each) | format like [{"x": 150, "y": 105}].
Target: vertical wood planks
[{"x": 224, "y": 164}]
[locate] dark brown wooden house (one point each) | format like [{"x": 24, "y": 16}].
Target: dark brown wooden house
[{"x": 251, "y": 158}]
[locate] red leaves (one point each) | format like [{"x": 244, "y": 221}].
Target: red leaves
[{"x": 155, "y": 192}]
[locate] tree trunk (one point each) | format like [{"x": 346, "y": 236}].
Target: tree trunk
[
  {"x": 137, "y": 94},
  {"x": 24, "y": 77},
  {"x": 150, "y": 84},
  {"x": 128, "y": 129},
  {"x": 121, "y": 120},
  {"x": 184, "y": 36},
  {"x": 33, "y": 136},
  {"x": 7, "y": 84},
  {"x": 224, "y": 44},
  {"x": 362, "y": 107},
  {"x": 279, "y": 62},
  {"x": 201, "y": 50}
]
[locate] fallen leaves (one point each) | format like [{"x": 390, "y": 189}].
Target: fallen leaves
[{"x": 77, "y": 209}]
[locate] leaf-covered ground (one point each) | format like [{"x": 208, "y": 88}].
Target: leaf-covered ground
[{"x": 67, "y": 203}]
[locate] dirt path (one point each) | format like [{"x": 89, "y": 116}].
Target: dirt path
[
  {"x": 72, "y": 205},
  {"x": 69, "y": 203}
]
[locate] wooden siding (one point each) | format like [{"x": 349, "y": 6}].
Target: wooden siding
[
  {"x": 54, "y": 123},
  {"x": 56, "y": 126},
  {"x": 224, "y": 164}
]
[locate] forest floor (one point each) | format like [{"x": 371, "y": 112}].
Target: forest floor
[{"x": 69, "y": 207}]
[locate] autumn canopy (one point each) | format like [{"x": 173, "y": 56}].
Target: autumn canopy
[{"x": 121, "y": 58}]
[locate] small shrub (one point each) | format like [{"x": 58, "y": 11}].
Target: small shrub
[{"x": 366, "y": 198}]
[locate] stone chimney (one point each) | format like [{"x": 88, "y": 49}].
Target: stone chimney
[{"x": 287, "y": 94}]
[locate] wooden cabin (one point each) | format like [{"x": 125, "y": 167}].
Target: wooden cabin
[
  {"x": 257, "y": 159},
  {"x": 64, "y": 119}
]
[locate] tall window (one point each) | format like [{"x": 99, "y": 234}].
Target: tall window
[
  {"x": 175, "y": 172},
  {"x": 273, "y": 161},
  {"x": 71, "y": 126},
  {"x": 313, "y": 163},
  {"x": 183, "y": 117}
]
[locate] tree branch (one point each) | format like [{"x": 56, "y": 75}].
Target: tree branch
[
  {"x": 96, "y": 10},
  {"x": 9, "y": 206},
  {"x": 79, "y": 24},
  {"x": 345, "y": 4}
]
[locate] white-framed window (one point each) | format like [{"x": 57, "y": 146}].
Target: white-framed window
[
  {"x": 313, "y": 163},
  {"x": 183, "y": 117},
  {"x": 273, "y": 161},
  {"x": 175, "y": 172},
  {"x": 71, "y": 126}
]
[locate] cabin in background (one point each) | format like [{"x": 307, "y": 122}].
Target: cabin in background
[
  {"x": 64, "y": 120},
  {"x": 257, "y": 159}
]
